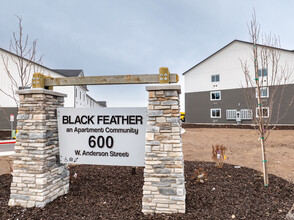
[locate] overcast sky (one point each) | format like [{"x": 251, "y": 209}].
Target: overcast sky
[{"x": 135, "y": 36}]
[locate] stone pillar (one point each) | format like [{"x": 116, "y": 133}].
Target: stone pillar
[
  {"x": 38, "y": 177},
  {"x": 164, "y": 180}
]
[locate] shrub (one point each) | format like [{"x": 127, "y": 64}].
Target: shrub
[{"x": 218, "y": 155}]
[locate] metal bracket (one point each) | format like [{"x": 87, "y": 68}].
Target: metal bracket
[
  {"x": 38, "y": 80},
  {"x": 164, "y": 75}
]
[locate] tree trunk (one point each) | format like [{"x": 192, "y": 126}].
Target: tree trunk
[{"x": 264, "y": 162}]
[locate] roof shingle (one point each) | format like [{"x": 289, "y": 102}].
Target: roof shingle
[{"x": 69, "y": 72}]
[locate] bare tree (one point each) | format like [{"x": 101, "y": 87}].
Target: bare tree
[
  {"x": 265, "y": 86},
  {"x": 24, "y": 58}
]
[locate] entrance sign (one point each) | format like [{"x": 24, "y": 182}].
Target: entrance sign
[
  {"x": 102, "y": 136},
  {"x": 106, "y": 136}
]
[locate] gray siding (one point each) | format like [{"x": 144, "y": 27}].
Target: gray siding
[
  {"x": 287, "y": 95},
  {"x": 198, "y": 106}
]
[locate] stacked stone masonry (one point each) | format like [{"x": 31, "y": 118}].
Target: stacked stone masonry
[
  {"x": 38, "y": 177},
  {"x": 164, "y": 181}
]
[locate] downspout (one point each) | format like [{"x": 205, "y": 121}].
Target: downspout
[{"x": 75, "y": 95}]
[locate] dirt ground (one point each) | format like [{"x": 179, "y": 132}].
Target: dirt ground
[
  {"x": 4, "y": 164},
  {"x": 243, "y": 149}
]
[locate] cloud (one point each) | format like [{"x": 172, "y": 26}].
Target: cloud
[{"x": 135, "y": 36}]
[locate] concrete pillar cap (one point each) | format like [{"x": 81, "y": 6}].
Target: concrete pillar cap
[
  {"x": 39, "y": 91},
  {"x": 164, "y": 87}
]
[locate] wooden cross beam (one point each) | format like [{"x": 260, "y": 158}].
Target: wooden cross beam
[{"x": 41, "y": 81}]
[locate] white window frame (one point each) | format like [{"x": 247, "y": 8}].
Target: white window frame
[
  {"x": 215, "y": 77},
  {"x": 261, "y": 96},
  {"x": 214, "y": 109},
  {"x": 220, "y": 96},
  {"x": 261, "y": 72},
  {"x": 257, "y": 116}
]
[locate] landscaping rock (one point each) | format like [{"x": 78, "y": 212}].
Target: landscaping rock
[{"x": 290, "y": 215}]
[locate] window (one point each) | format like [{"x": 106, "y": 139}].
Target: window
[
  {"x": 215, "y": 95},
  {"x": 262, "y": 72},
  {"x": 264, "y": 92},
  {"x": 76, "y": 93},
  {"x": 264, "y": 112},
  {"x": 215, "y": 78},
  {"x": 215, "y": 113},
  {"x": 84, "y": 97},
  {"x": 80, "y": 95}
]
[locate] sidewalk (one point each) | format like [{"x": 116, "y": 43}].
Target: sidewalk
[{"x": 7, "y": 153}]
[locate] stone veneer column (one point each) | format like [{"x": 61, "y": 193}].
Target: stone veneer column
[
  {"x": 164, "y": 181},
  {"x": 38, "y": 177}
]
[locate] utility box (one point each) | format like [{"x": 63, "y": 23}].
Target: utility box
[{"x": 238, "y": 117}]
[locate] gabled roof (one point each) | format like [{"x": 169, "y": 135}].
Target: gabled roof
[
  {"x": 102, "y": 103},
  {"x": 69, "y": 72},
  {"x": 26, "y": 59},
  {"x": 240, "y": 41},
  {"x": 63, "y": 72}
]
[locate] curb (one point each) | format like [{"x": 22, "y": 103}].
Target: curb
[
  {"x": 8, "y": 142},
  {"x": 242, "y": 126},
  {"x": 6, "y": 153},
  {"x": 183, "y": 131}
]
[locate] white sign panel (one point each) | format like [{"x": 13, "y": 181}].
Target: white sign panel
[
  {"x": 102, "y": 136},
  {"x": 11, "y": 117}
]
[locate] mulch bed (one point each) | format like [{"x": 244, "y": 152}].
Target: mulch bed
[{"x": 107, "y": 192}]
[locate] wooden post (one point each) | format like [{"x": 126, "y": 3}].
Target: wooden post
[{"x": 164, "y": 76}]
